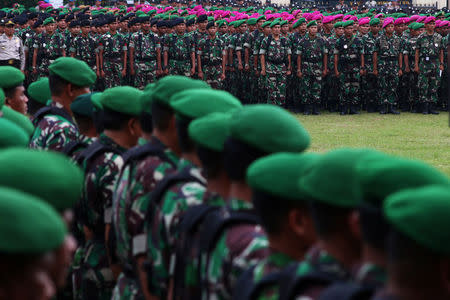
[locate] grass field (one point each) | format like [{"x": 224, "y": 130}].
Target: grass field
[{"x": 408, "y": 135}]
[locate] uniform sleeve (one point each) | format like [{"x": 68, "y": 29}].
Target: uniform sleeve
[
  {"x": 132, "y": 43},
  {"x": 108, "y": 181},
  {"x": 22, "y": 55},
  {"x": 200, "y": 47},
  {"x": 165, "y": 42},
  {"x": 337, "y": 46},
  {"x": 262, "y": 49}
]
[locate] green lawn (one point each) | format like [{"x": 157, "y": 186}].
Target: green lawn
[{"x": 408, "y": 135}]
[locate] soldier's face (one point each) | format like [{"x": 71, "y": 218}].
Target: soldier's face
[
  {"x": 60, "y": 260},
  {"x": 202, "y": 25},
  {"x": 445, "y": 30},
  {"x": 18, "y": 100},
  {"x": 39, "y": 29},
  {"x": 260, "y": 22},
  {"x": 285, "y": 28},
  {"x": 302, "y": 27},
  {"x": 113, "y": 26},
  {"x": 348, "y": 31},
  {"x": 9, "y": 30},
  {"x": 155, "y": 28},
  {"x": 75, "y": 30},
  {"x": 267, "y": 30},
  {"x": 105, "y": 28},
  {"x": 223, "y": 29},
  {"x": 50, "y": 28},
  {"x": 243, "y": 28},
  {"x": 146, "y": 27},
  {"x": 339, "y": 31},
  {"x": 430, "y": 26},
  {"x": 276, "y": 30},
  {"x": 312, "y": 30},
  {"x": 375, "y": 28},
  {"x": 212, "y": 30},
  {"x": 399, "y": 28},
  {"x": 389, "y": 29},
  {"x": 421, "y": 30},
  {"x": 62, "y": 24},
  {"x": 252, "y": 27},
  {"x": 180, "y": 28},
  {"x": 85, "y": 29},
  {"x": 364, "y": 28}
]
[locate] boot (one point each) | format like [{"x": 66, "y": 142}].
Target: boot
[
  {"x": 382, "y": 109},
  {"x": 406, "y": 107},
  {"x": 315, "y": 109},
  {"x": 392, "y": 109},
  {"x": 344, "y": 109},
  {"x": 354, "y": 109},
  {"x": 307, "y": 111},
  {"x": 414, "y": 109},
  {"x": 432, "y": 110},
  {"x": 370, "y": 108},
  {"x": 425, "y": 108}
]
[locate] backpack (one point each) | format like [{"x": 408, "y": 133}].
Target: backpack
[
  {"x": 51, "y": 110},
  {"x": 348, "y": 291}
]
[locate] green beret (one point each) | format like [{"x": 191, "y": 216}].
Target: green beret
[
  {"x": 417, "y": 26},
  {"x": 18, "y": 119},
  {"x": 260, "y": 17},
  {"x": 348, "y": 23},
  {"x": 338, "y": 169},
  {"x": 238, "y": 23},
  {"x": 338, "y": 24},
  {"x": 12, "y": 135},
  {"x": 39, "y": 91},
  {"x": 170, "y": 85},
  {"x": 200, "y": 102},
  {"x": 74, "y": 71},
  {"x": 269, "y": 128},
  {"x": 265, "y": 24},
  {"x": 252, "y": 21},
  {"x": 274, "y": 23},
  {"x": 312, "y": 23},
  {"x": 382, "y": 175},
  {"x": 49, "y": 21},
  {"x": 122, "y": 99},
  {"x": 46, "y": 175},
  {"x": 423, "y": 215},
  {"x": 95, "y": 99},
  {"x": 28, "y": 225},
  {"x": 10, "y": 77},
  {"x": 374, "y": 22},
  {"x": 2, "y": 98},
  {"x": 284, "y": 22},
  {"x": 299, "y": 22},
  {"x": 82, "y": 105},
  {"x": 278, "y": 174},
  {"x": 147, "y": 98},
  {"x": 211, "y": 130}
]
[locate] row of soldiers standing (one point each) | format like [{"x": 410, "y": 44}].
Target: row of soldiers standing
[{"x": 290, "y": 64}]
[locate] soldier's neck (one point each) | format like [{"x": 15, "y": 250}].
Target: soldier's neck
[
  {"x": 240, "y": 190},
  {"x": 220, "y": 184},
  {"x": 192, "y": 157},
  {"x": 63, "y": 101},
  {"x": 430, "y": 32},
  {"x": 374, "y": 256},
  {"x": 416, "y": 291}
]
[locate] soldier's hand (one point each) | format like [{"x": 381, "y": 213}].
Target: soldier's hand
[
  {"x": 416, "y": 69},
  {"x": 324, "y": 73},
  {"x": 375, "y": 72},
  {"x": 192, "y": 71},
  {"x": 337, "y": 74},
  {"x": 299, "y": 74},
  {"x": 288, "y": 72},
  {"x": 407, "y": 70},
  {"x": 200, "y": 75},
  {"x": 158, "y": 72},
  {"x": 400, "y": 72},
  {"x": 361, "y": 72},
  {"x": 441, "y": 67},
  {"x": 102, "y": 74},
  {"x": 34, "y": 71},
  {"x": 132, "y": 72},
  {"x": 222, "y": 76},
  {"x": 256, "y": 72},
  {"x": 98, "y": 73},
  {"x": 240, "y": 68},
  {"x": 124, "y": 72},
  {"x": 247, "y": 68},
  {"x": 263, "y": 72},
  {"x": 166, "y": 71}
]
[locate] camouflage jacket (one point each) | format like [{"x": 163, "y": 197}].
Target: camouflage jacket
[
  {"x": 410, "y": 50},
  {"x": 113, "y": 46},
  {"x": 275, "y": 51},
  {"x": 53, "y": 132},
  {"x": 101, "y": 176},
  {"x": 429, "y": 47},
  {"x": 349, "y": 52},
  {"x": 312, "y": 52},
  {"x": 211, "y": 51},
  {"x": 84, "y": 48},
  {"x": 130, "y": 201},
  {"x": 49, "y": 46},
  {"x": 388, "y": 50},
  {"x": 331, "y": 43},
  {"x": 237, "y": 45},
  {"x": 179, "y": 47},
  {"x": 162, "y": 226},
  {"x": 237, "y": 248},
  {"x": 144, "y": 45},
  {"x": 369, "y": 41}
]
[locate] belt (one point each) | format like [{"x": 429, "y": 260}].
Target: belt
[
  {"x": 313, "y": 60},
  {"x": 213, "y": 64},
  {"x": 276, "y": 62},
  {"x": 9, "y": 62},
  {"x": 146, "y": 59},
  {"x": 431, "y": 57},
  {"x": 177, "y": 58},
  {"x": 388, "y": 58}
]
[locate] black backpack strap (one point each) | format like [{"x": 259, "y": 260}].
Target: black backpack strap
[
  {"x": 93, "y": 151},
  {"x": 72, "y": 146},
  {"x": 297, "y": 285},
  {"x": 50, "y": 110},
  {"x": 149, "y": 149},
  {"x": 348, "y": 291}
]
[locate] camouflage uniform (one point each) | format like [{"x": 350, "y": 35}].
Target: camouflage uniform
[
  {"x": 428, "y": 82},
  {"x": 48, "y": 48},
  {"x": 236, "y": 83},
  {"x": 332, "y": 88},
  {"x": 252, "y": 78},
  {"x": 211, "y": 53},
  {"x": 349, "y": 52},
  {"x": 84, "y": 49},
  {"x": 369, "y": 82},
  {"x": 312, "y": 52},
  {"x": 295, "y": 85},
  {"x": 412, "y": 77},
  {"x": 162, "y": 226},
  {"x": 261, "y": 82},
  {"x": 443, "y": 89},
  {"x": 28, "y": 46},
  {"x": 101, "y": 175},
  {"x": 130, "y": 205},
  {"x": 226, "y": 41},
  {"x": 276, "y": 54},
  {"x": 237, "y": 248},
  {"x": 145, "y": 60},
  {"x": 113, "y": 47},
  {"x": 53, "y": 132},
  {"x": 179, "y": 48},
  {"x": 388, "y": 50}
]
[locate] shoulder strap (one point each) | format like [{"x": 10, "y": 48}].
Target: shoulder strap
[
  {"x": 297, "y": 285},
  {"x": 149, "y": 149},
  {"x": 93, "y": 151},
  {"x": 50, "y": 110},
  {"x": 70, "y": 148},
  {"x": 347, "y": 291}
]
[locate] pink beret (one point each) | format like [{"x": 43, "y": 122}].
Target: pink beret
[
  {"x": 354, "y": 18},
  {"x": 445, "y": 23},
  {"x": 338, "y": 16},
  {"x": 363, "y": 21},
  {"x": 414, "y": 17},
  {"x": 429, "y": 19},
  {"x": 346, "y": 17},
  {"x": 388, "y": 21},
  {"x": 379, "y": 15},
  {"x": 327, "y": 19},
  {"x": 438, "y": 23},
  {"x": 421, "y": 19},
  {"x": 399, "y": 21},
  {"x": 317, "y": 17}
]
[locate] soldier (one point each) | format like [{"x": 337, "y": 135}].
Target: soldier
[
  {"x": 262, "y": 80},
  {"x": 11, "y": 49},
  {"x": 55, "y": 128},
  {"x": 276, "y": 49},
  {"x": 38, "y": 28},
  {"x": 429, "y": 61},
  {"x": 11, "y": 81},
  {"x": 74, "y": 31},
  {"x": 296, "y": 86},
  {"x": 349, "y": 61},
  {"x": 238, "y": 57},
  {"x": 443, "y": 89},
  {"x": 145, "y": 56},
  {"x": 331, "y": 87},
  {"x": 291, "y": 204},
  {"x": 83, "y": 113},
  {"x": 409, "y": 51},
  {"x": 171, "y": 199},
  {"x": 83, "y": 47},
  {"x": 102, "y": 163},
  {"x": 312, "y": 59},
  {"x": 48, "y": 46},
  {"x": 179, "y": 51},
  {"x": 369, "y": 82},
  {"x": 144, "y": 167},
  {"x": 39, "y": 94},
  {"x": 211, "y": 58},
  {"x": 112, "y": 50},
  {"x": 387, "y": 63},
  {"x": 411, "y": 247}
]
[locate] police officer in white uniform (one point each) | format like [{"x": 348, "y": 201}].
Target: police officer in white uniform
[{"x": 12, "y": 52}]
